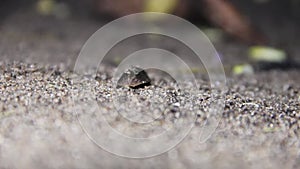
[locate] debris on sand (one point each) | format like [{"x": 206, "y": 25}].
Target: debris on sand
[{"x": 134, "y": 77}]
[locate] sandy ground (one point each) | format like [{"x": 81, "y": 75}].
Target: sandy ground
[{"x": 259, "y": 127}]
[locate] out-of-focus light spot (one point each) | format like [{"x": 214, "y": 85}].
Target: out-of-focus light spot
[
  {"x": 45, "y": 7},
  {"x": 268, "y": 54},
  {"x": 242, "y": 69},
  {"x": 50, "y": 7},
  {"x": 164, "y": 6}
]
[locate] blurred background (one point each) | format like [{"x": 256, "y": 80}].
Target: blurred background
[
  {"x": 260, "y": 123},
  {"x": 243, "y": 31}
]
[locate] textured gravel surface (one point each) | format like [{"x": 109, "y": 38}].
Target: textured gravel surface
[{"x": 259, "y": 127}]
